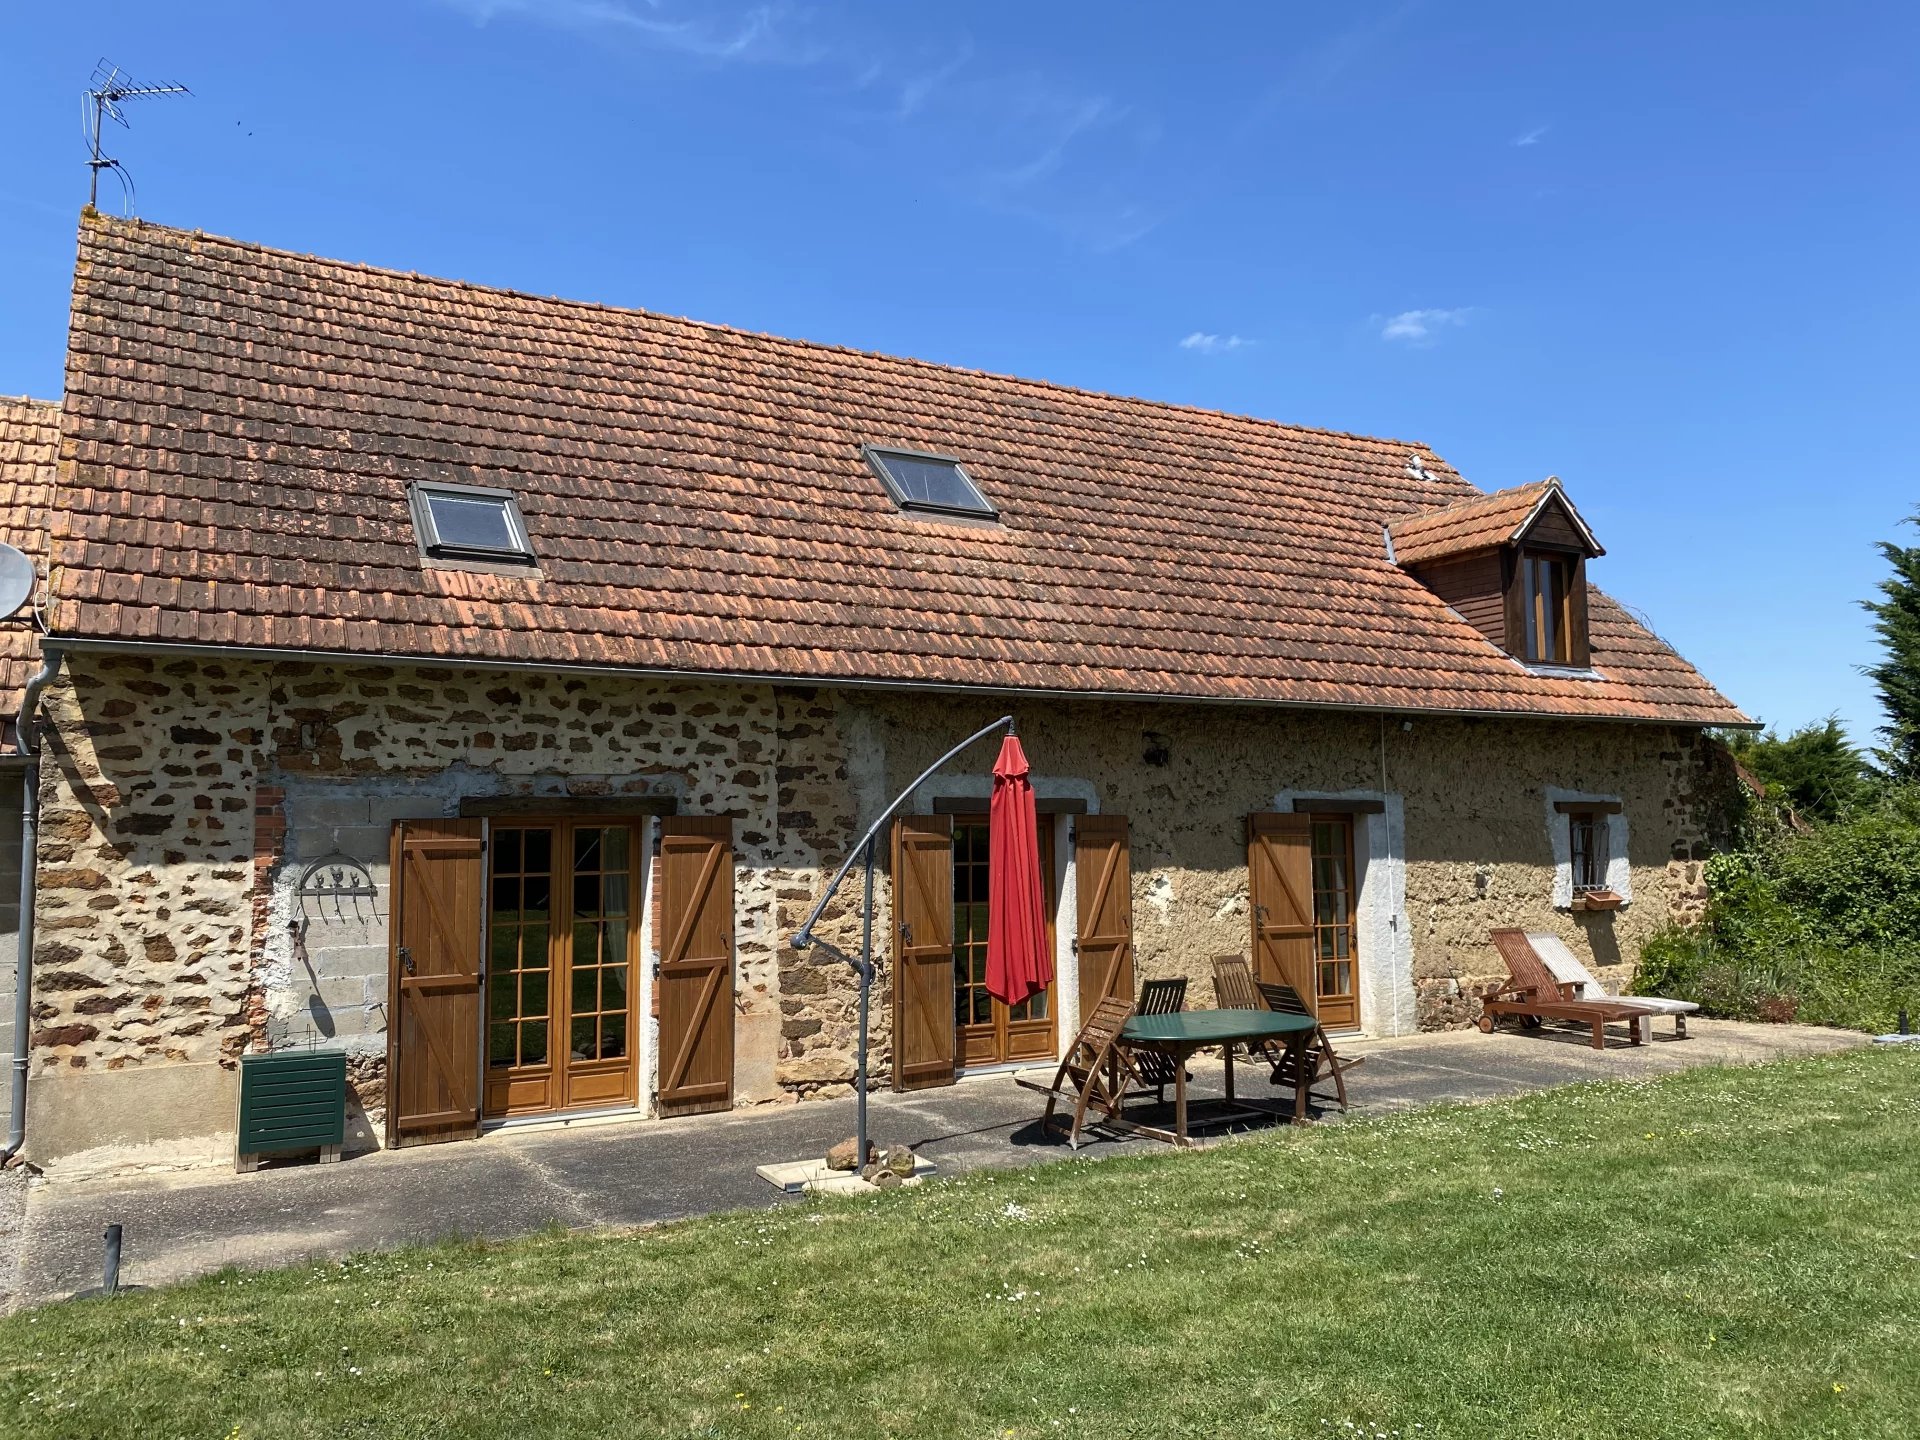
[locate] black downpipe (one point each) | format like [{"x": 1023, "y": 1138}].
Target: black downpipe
[{"x": 28, "y": 741}]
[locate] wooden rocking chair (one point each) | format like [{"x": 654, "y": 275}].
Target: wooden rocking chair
[
  {"x": 1159, "y": 997},
  {"x": 1317, "y": 1055},
  {"x": 1096, "y": 1068}
]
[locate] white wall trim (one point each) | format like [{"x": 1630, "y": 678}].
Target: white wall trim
[
  {"x": 1066, "y": 930},
  {"x": 1560, "y": 839},
  {"x": 980, "y": 787},
  {"x": 1387, "y": 1001},
  {"x": 649, "y": 1027}
]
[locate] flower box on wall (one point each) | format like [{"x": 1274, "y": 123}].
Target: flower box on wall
[{"x": 1598, "y": 900}]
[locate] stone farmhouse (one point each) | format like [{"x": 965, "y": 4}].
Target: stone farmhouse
[{"x": 485, "y": 684}]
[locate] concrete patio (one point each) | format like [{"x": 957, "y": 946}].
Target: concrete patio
[{"x": 640, "y": 1172}]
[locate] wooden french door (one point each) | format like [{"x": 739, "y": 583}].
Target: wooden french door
[
  {"x": 923, "y": 1030},
  {"x": 1280, "y": 889},
  {"x": 433, "y": 1002},
  {"x": 1103, "y": 881},
  {"x": 695, "y": 991},
  {"x": 1300, "y": 878},
  {"x": 1335, "y": 954},
  {"x": 563, "y": 950},
  {"x": 989, "y": 1031}
]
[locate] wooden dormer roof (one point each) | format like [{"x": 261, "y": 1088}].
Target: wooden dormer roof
[{"x": 1506, "y": 517}]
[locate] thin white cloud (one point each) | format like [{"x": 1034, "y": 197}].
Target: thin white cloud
[
  {"x": 1075, "y": 120},
  {"x": 1422, "y": 327},
  {"x": 916, "y": 91},
  {"x": 1533, "y": 136},
  {"x": 756, "y": 35},
  {"x": 1203, "y": 343}
]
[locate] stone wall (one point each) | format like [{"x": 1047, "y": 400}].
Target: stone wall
[
  {"x": 141, "y": 956},
  {"x": 183, "y": 800},
  {"x": 1477, "y": 850}
]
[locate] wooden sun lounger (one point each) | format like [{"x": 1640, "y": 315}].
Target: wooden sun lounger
[
  {"x": 1534, "y": 995},
  {"x": 1568, "y": 970},
  {"x": 1096, "y": 1069}
]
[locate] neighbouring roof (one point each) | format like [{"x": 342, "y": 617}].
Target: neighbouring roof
[
  {"x": 1480, "y": 523},
  {"x": 29, "y": 450},
  {"x": 243, "y": 424}
]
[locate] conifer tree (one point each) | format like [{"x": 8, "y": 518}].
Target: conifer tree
[{"x": 1897, "y": 677}]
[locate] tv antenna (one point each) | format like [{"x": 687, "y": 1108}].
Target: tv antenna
[{"x": 107, "y": 88}]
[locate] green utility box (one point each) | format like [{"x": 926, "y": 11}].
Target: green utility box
[{"x": 293, "y": 1100}]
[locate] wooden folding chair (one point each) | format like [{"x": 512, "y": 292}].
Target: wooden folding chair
[
  {"x": 1159, "y": 997},
  {"x": 1096, "y": 1067},
  {"x": 1233, "y": 984},
  {"x": 1317, "y": 1055},
  {"x": 1233, "y": 989}
]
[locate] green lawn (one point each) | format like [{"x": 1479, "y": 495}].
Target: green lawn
[{"x": 1726, "y": 1252}]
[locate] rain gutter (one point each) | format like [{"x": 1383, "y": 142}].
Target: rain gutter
[{"x": 853, "y": 682}]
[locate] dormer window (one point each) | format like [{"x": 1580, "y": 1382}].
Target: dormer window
[
  {"x": 1513, "y": 565},
  {"x": 933, "y": 483},
  {"x": 1547, "y": 623},
  {"x": 469, "y": 522}
]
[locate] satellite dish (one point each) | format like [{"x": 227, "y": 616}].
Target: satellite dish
[{"x": 17, "y": 579}]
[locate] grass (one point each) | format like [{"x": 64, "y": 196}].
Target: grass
[{"x": 1720, "y": 1253}]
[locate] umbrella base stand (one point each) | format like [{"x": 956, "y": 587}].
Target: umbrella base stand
[{"x": 812, "y": 1177}]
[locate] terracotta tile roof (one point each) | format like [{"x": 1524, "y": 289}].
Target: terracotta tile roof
[
  {"x": 244, "y": 422},
  {"x": 1475, "y": 524},
  {"x": 29, "y": 450}
]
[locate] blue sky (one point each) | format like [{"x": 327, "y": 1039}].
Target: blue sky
[{"x": 1664, "y": 253}]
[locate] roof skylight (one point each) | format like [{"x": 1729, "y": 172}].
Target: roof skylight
[
  {"x": 936, "y": 483},
  {"x": 469, "y": 522}
]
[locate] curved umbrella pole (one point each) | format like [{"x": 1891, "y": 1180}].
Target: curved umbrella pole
[{"x": 862, "y": 964}]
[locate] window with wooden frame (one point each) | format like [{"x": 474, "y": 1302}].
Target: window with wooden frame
[
  {"x": 1590, "y": 837},
  {"x": 1546, "y": 582},
  {"x": 1587, "y": 845}
]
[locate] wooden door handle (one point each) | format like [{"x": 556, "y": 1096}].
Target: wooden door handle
[
  {"x": 406, "y": 960},
  {"x": 906, "y": 935}
]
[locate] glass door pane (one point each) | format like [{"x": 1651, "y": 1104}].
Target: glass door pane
[
  {"x": 601, "y": 921},
  {"x": 519, "y": 921}
]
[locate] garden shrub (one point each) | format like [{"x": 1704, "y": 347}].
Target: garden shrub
[{"x": 1822, "y": 927}]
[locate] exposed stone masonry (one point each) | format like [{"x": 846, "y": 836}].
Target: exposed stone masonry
[
  {"x": 146, "y": 862},
  {"x": 181, "y": 800}
]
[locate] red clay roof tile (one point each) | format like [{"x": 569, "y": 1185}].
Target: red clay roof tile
[
  {"x": 247, "y": 421},
  {"x": 29, "y": 453},
  {"x": 1478, "y": 523}
]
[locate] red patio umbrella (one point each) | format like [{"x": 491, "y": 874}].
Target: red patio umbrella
[{"x": 1018, "y": 964}]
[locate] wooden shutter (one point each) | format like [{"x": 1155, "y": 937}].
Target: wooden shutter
[
  {"x": 438, "y": 882},
  {"x": 1103, "y": 880},
  {"x": 696, "y": 964},
  {"x": 1280, "y": 887},
  {"x": 923, "y": 1036},
  {"x": 1579, "y": 646}
]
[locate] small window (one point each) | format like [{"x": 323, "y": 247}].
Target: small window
[
  {"x": 1588, "y": 848},
  {"x": 467, "y": 522},
  {"x": 928, "y": 482},
  {"x": 1546, "y": 595}
]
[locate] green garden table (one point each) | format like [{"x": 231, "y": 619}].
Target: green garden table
[{"x": 1180, "y": 1034}]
